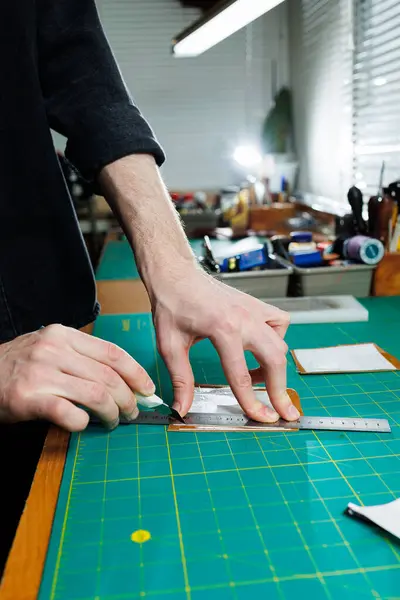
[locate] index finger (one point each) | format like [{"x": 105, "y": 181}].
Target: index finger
[
  {"x": 235, "y": 368},
  {"x": 111, "y": 355},
  {"x": 271, "y": 356}
]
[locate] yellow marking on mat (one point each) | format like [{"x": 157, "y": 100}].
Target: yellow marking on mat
[
  {"x": 126, "y": 324},
  {"x": 141, "y": 536},
  {"x": 178, "y": 522}
]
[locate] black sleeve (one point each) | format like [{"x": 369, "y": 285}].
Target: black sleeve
[{"x": 85, "y": 97}]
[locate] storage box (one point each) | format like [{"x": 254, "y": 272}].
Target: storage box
[
  {"x": 352, "y": 280},
  {"x": 270, "y": 283}
]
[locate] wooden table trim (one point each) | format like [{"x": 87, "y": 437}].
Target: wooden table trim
[{"x": 23, "y": 573}]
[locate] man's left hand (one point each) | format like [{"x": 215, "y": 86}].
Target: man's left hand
[{"x": 197, "y": 306}]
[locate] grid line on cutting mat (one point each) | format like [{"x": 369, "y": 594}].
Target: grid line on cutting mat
[{"x": 240, "y": 505}]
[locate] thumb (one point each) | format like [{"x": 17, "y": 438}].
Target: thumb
[{"x": 176, "y": 358}]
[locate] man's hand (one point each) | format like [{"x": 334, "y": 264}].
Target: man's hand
[
  {"x": 199, "y": 307},
  {"x": 188, "y": 304},
  {"x": 46, "y": 374}
]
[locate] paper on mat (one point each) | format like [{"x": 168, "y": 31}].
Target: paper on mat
[
  {"x": 343, "y": 359},
  {"x": 386, "y": 516},
  {"x": 222, "y": 401}
]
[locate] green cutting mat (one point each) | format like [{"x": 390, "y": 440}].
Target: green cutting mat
[
  {"x": 241, "y": 515},
  {"x": 117, "y": 262}
]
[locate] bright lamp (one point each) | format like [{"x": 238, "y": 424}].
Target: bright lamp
[{"x": 227, "y": 17}]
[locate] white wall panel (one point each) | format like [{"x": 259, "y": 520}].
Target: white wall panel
[{"x": 200, "y": 108}]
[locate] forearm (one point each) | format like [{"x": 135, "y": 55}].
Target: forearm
[{"x": 134, "y": 189}]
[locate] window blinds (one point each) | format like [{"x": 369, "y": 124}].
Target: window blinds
[
  {"x": 322, "y": 65},
  {"x": 376, "y": 92}
]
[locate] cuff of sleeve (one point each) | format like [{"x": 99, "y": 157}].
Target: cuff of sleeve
[{"x": 108, "y": 133}]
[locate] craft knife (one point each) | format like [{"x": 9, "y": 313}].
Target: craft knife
[{"x": 155, "y": 402}]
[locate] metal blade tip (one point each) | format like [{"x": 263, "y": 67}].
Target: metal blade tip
[{"x": 177, "y": 416}]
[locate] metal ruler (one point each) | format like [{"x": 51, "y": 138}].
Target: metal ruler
[{"x": 310, "y": 423}]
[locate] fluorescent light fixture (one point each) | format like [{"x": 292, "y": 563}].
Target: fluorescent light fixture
[
  {"x": 247, "y": 156},
  {"x": 227, "y": 17}
]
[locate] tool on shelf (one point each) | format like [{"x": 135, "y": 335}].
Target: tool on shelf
[
  {"x": 385, "y": 213},
  {"x": 208, "y": 260},
  {"x": 355, "y": 199},
  {"x": 394, "y": 192},
  {"x": 280, "y": 245},
  {"x": 373, "y": 206}
]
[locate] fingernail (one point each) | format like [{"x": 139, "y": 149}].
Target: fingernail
[
  {"x": 150, "y": 388},
  {"x": 112, "y": 425},
  {"x": 293, "y": 412},
  {"x": 270, "y": 413},
  {"x": 130, "y": 417},
  {"x": 177, "y": 406}
]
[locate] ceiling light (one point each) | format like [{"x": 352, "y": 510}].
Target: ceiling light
[{"x": 227, "y": 17}]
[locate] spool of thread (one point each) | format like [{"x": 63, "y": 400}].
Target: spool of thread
[{"x": 364, "y": 249}]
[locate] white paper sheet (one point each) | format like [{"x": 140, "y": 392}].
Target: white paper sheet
[
  {"x": 386, "y": 516},
  {"x": 222, "y": 401},
  {"x": 343, "y": 359}
]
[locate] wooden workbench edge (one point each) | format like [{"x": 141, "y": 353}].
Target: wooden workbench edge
[{"x": 23, "y": 573}]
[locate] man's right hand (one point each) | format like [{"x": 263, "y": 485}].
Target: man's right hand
[{"x": 46, "y": 374}]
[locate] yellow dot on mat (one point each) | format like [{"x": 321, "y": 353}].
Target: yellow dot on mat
[
  {"x": 225, "y": 556},
  {"x": 232, "y": 584},
  {"x": 140, "y": 536}
]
